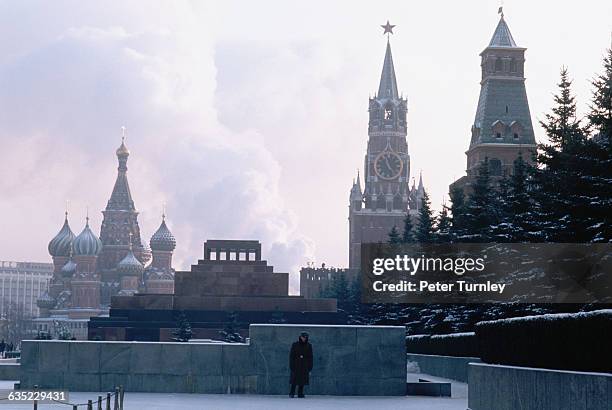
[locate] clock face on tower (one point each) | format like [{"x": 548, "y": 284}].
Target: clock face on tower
[{"x": 388, "y": 165}]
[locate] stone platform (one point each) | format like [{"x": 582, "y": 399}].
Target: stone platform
[
  {"x": 510, "y": 387},
  {"x": 348, "y": 360}
]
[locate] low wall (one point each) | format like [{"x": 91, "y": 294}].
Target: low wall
[
  {"x": 510, "y": 388},
  {"x": 9, "y": 371},
  {"x": 348, "y": 360},
  {"x": 449, "y": 367}
]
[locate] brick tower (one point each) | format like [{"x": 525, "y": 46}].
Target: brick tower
[
  {"x": 384, "y": 202},
  {"x": 502, "y": 127}
]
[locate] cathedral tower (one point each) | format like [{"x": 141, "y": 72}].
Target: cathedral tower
[
  {"x": 384, "y": 201},
  {"x": 159, "y": 276},
  {"x": 502, "y": 127},
  {"x": 60, "y": 248},
  {"x": 120, "y": 223},
  {"x": 86, "y": 281}
]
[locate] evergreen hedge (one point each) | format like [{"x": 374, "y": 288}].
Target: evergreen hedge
[
  {"x": 456, "y": 344},
  {"x": 566, "y": 341}
]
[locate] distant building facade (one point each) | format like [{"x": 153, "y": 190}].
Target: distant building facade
[
  {"x": 21, "y": 284},
  {"x": 88, "y": 270},
  {"x": 387, "y": 197},
  {"x": 502, "y": 128},
  {"x": 316, "y": 282}
]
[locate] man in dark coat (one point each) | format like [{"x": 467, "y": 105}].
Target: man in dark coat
[{"x": 300, "y": 364}]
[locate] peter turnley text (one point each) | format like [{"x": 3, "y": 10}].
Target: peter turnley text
[{"x": 425, "y": 286}]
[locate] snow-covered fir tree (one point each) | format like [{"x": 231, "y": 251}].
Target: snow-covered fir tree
[{"x": 425, "y": 226}]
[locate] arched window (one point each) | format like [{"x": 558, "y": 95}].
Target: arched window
[
  {"x": 388, "y": 112},
  {"x": 516, "y": 128},
  {"x": 513, "y": 65},
  {"x": 498, "y": 64},
  {"x": 498, "y": 128},
  {"x": 495, "y": 167}
]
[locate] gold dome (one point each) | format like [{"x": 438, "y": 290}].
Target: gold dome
[{"x": 122, "y": 150}]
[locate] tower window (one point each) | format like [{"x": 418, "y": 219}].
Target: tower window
[
  {"x": 388, "y": 113},
  {"x": 506, "y": 109},
  {"x": 516, "y": 135},
  {"x": 498, "y": 64},
  {"x": 513, "y": 65},
  {"x": 498, "y": 135}
]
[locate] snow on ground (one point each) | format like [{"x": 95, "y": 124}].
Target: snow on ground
[
  {"x": 184, "y": 401},
  {"x": 162, "y": 401}
]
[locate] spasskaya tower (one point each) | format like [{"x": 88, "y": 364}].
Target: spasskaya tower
[{"x": 386, "y": 198}]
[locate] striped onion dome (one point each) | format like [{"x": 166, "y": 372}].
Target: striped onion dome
[
  {"x": 61, "y": 243},
  {"x": 87, "y": 243},
  {"x": 162, "y": 239},
  {"x": 130, "y": 265}
]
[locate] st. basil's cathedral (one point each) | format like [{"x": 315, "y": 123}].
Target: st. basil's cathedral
[{"x": 88, "y": 269}]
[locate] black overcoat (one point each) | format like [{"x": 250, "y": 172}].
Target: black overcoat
[{"x": 300, "y": 362}]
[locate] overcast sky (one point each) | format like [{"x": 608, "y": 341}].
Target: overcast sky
[{"x": 248, "y": 119}]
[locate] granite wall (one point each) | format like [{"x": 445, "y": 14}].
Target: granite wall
[
  {"x": 510, "y": 388},
  {"x": 10, "y": 371},
  {"x": 449, "y": 367},
  {"x": 348, "y": 360}
]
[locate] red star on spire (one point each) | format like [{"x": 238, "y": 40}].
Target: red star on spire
[{"x": 388, "y": 28}]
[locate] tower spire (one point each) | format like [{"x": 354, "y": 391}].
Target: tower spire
[
  {"x": 121, "y": 197},
  {"x": 388, "y": 83},
  {"x": 502, "y": 36}
]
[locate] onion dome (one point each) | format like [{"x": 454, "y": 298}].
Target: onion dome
[
  {"x": 87, "y": 243},
  {"x": 130, "y": 265},
  {"x": 45, "y": 301},
  {"x": 61, "y": 243},
  {"x": 122, "y": 151},
  {"x": 162, "y": 239}
]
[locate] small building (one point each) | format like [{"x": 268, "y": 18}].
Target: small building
[
  {"x": 316, "y": 282},
  {"x": 230, "y": 287}
]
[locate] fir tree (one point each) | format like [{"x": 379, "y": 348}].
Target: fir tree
[
  {"x": 394, "y": 236},
  {"x": 501, "y": 226},
  {"x": 480, "y": 210},
  {"x": 407, "y": 234},
  {"x": 230, "y": 332},
  {"x": 340, "y": 288},
  {"x": 599, "y": 154},
  {"x": 425, "y": 226},
  {"x": 183, "y": 330},
  {"x": 457, "y": 210},
  {"x": 514, "y": 207},
  {"x": 562, "y": 127},
  {"x": 443, "y": 226},
  {"x": 600, "y": 116},
  {"x": 521, "y": 208},
  {"x": 562, "y": 194}
]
